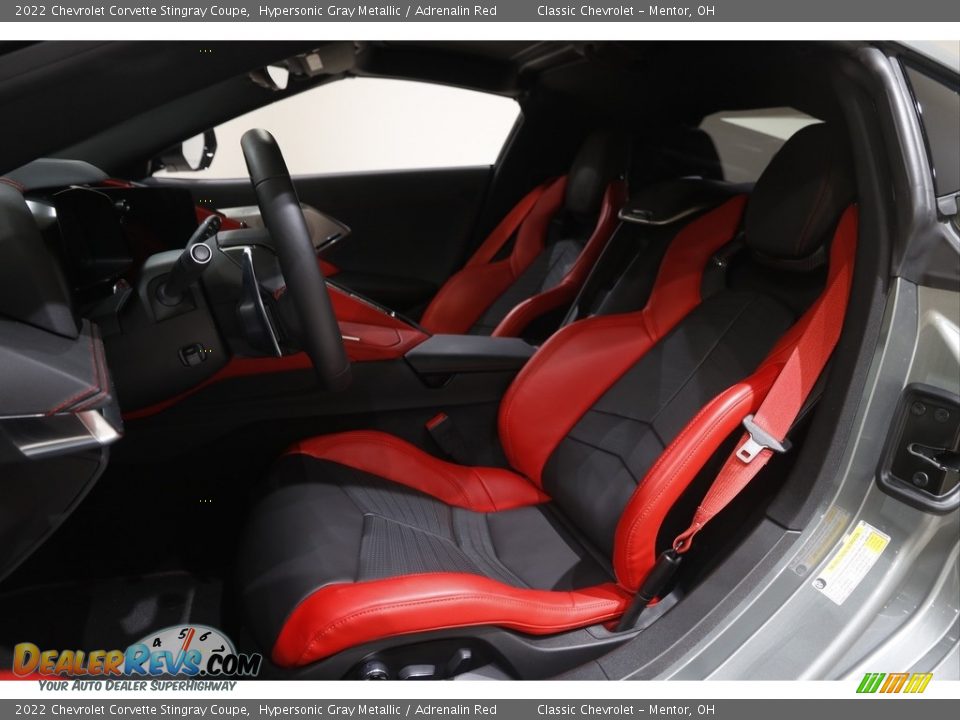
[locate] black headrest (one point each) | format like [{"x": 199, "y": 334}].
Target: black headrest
[
  {"x": 799, "y": 198},
  {"x": 673, "y": 153},
  {"x": 601, "y": 159}
]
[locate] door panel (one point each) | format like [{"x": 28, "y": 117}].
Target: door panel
[{"x": 410, "y": 229}]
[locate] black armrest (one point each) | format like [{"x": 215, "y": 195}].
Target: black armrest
[{"x": 447, "y": 354}]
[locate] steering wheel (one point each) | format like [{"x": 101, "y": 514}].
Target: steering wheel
[{"x": 283, "y": 218}]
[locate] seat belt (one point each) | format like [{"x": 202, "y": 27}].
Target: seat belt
[
  {"x": 766, "y": 430},
  {"x": 506, "y": 228}
]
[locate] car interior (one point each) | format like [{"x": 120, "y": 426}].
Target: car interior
[{"x": 418, "y": 424}]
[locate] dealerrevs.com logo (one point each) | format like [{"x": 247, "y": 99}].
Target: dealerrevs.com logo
[
  {"x": 192, "y": 651},
  {"x": 894, "y": 683}
]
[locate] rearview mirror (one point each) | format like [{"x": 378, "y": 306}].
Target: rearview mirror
[
  {"x": 272, "y": 77},
  {"x": 192, "y": 155}
]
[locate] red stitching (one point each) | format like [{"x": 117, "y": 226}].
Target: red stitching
[
  {"x": 100, "y": 375},
  {"x": 83, "y": 394},
  {"x": 19, "y": 187}
]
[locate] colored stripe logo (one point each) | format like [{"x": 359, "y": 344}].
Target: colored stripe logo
[{"x": 894, "y": 683}]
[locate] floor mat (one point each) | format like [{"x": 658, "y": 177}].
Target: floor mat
[{"x": 105, "y": 614}]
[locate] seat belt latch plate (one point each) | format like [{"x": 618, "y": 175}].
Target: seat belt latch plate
[{"x": 758, "y": 441}]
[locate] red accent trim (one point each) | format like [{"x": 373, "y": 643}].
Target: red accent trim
[
  {"x": 587, "y": 357},
  {"x": 351, "y": 309},
  {"x": 341, "y": 616},
  {"x": 435, "y": 420},
  {"x": 529, "y": 310},
  {"x": 375, "y": 343},
  {"x": 226, "y": 223},
  {"x": 381, "y": 337},
  {"x": 11, "y": 676},
  {"x": 100, "y": 372},
  {"x": 327, "y": 268},
  {"x": 481, "y": 489},
  {"x": 464, "y": 297},
  {"x": 94, "y": 391},
  {"x": 19, "y": 187},
  {"x": 506, "y": 227}
]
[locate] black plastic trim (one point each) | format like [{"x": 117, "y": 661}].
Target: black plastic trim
[{"x": 447, "y": 354}]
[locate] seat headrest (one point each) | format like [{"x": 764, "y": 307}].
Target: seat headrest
[
  {"x": 601, "y": 159},
  {"x": 676, "y": 152},
  {"x": 800, "y": 196}
]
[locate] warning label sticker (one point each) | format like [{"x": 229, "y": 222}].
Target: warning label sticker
[{"x": 851, "y": 562}]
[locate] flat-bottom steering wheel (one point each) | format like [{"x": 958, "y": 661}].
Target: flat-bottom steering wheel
[{"x": 283, "y": 218}]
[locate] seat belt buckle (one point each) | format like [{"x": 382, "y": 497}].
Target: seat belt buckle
[{"x": 758, "y": 441}]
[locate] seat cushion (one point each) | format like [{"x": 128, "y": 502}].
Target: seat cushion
[{"x": 452, "y": 566}]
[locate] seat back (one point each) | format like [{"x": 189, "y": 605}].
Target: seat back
[
  {"x": 614, "y": 415},
  {"x": 537, "y": 257}
]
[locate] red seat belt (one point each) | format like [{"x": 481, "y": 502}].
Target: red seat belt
[
  {"x": 505, "y": 229},
  {"x": 768, "y": 428}
]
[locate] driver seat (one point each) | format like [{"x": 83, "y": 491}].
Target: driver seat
[
  {"x": 361, "y": 536},
  {"x": 539, "y": 255}
]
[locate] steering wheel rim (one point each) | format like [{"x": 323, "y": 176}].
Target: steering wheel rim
[{"x": 283, "y": 218}]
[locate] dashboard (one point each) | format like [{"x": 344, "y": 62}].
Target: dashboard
[
  {"x": 73, "y": 248},
  {"x": 59, "y": 413},
  {"x": 90, "y": 339},
  {"x": 114, "y": 244},
  {"x": 102, "y": 234}
]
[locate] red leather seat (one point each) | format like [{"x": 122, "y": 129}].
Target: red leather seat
[
  {"x": 362, "y": 536},
  {"x": 539, "y": 255}
]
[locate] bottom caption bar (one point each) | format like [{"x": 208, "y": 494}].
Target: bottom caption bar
[{"x": 785, "y": 709}]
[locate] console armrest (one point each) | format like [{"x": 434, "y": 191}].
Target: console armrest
[{"x": 447, "y": 354}]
